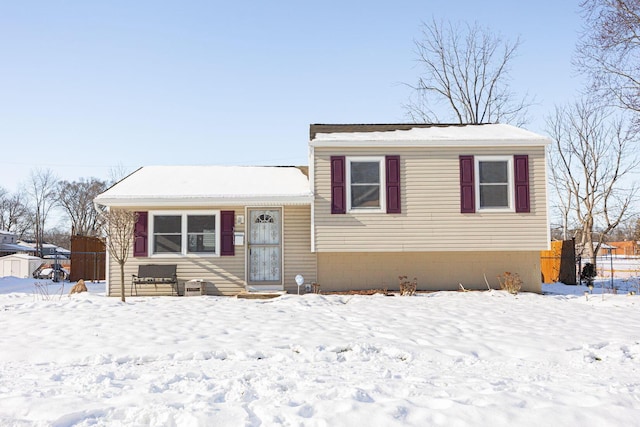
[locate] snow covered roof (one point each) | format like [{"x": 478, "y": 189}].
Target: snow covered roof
[
  {"x": 22, "y": 256},
  {"x": 432, "y": 135},
  {"x": 31, "y": 245},
  {"x": 221, "y": 185},
  {"x": 9, "y": 247}
]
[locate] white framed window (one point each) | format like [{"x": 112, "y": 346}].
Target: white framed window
[
  {"x": 188, "y": 233},
  {"x": 494, "y": 183},
  {"x": 365, "y": 184}
]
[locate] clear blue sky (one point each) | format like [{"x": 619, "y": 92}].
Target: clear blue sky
[{"x": 89, "y": 86}]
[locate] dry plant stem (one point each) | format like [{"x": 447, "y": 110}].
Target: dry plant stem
[
  {"x": 510, "y": 282},
  {"x": 486, "y": 281},
  {"x": 42, "y": 291},
  {"x": 407, "y": 287}
]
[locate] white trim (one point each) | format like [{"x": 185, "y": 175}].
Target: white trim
[
  {"x": 183, "y": 234},
  {"x": 159, "y": 201},
  {"x": 546, "y": 199},
  {"x": 383, "y": 184},
  {"x": 312, "y": 188},
  {"x": 247, "y": 220},
  {"x": 542, "y": 142},
  {"x": 107, "y": 275},
  {"x": 282, "y": 242},
  {"x": 107, "y": 260},
  {"x": 313, "y": 227},
  {"x": 510, "y": 184}
]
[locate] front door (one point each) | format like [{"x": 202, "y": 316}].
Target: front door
[{"x": 265, "y": 254}]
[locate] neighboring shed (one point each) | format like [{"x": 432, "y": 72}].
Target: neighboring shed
[{"x": 19, "y": 265}]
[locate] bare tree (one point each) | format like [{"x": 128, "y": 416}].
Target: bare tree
[
  {"x": 609, "y": 51},
  {"x": 118, "y": 172},
  {"x": 560, "y": 185},
  {"x": 624, "y": 231},
  {"x": 76, "y": 199},
  {"x": 119, "y": 227},
  {"x": 593, "y": 155},
  {"x": 58, "y": 237},
  {"x": 13, "y": 213},
  {"x": 41, "y": 190},
  {"x": 636, "y": 231},
  {"x": 466, "y": 68}
]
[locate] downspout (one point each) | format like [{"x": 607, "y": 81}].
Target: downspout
[
  {"x": 312, "y": 186},
  {"x": 546, "y": 180}
]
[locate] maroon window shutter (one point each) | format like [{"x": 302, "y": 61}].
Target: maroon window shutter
[
  {"x": 521, "y": 183},
  {"x": 227, "y": 221},
  {"x": 338, "y": 185},
  {"x": 140, "y": 236},
  {"x": 467, "y": 185},
  {"x": 393, "y": 184}
]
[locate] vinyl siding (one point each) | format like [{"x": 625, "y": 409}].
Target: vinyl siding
[
  {"x": 225, "y": 275},
  {"x": 434, "y": 271},
  {"x": 298, "y": 258},
  {"x": 430, "y": 218}
]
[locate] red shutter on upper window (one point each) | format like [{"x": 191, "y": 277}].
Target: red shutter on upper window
[
  {"x": 140, "y": 237},
  {"x": 338, "y": 185},
  {"x": 227, "y": 222},
  {"x": 392, "y": 164},
  {"x": 467, "y": 185},
  {"x": 521, "y": 183}
]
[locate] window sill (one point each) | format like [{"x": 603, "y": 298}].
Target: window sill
[
  {"x": 495, "y": 210},
  {"x": 180, "y": 255},
  {"x": 366, "y": 211}
]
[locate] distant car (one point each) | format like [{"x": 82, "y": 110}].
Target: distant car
[{"x": 54, "y": 272}]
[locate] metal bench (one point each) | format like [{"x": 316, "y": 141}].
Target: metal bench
[{"x": 155, "y": 274}]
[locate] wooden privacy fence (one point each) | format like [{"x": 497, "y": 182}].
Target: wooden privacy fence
[
  {"x": 88, "y": 258},
  {"x": 559, "y": 263}
]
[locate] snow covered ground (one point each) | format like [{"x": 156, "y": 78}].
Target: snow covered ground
[{"x": 445, "y": 358}]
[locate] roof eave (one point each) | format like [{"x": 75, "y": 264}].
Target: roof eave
[
  {"x": 541, "y": 142},
  {"x": 143, "y": 201}
]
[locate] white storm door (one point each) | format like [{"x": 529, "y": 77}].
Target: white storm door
[{"x": 265, "y": 232}]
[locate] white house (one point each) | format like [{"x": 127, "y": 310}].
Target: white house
[{"x": 9, "y": 244}]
